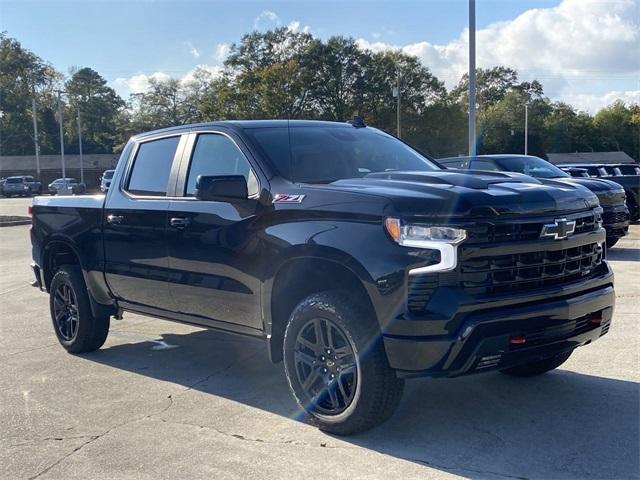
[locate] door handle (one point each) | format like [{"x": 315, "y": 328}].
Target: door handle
[
  {"x": 179, "y": 222},
  {"x": 115, "y": 219}
]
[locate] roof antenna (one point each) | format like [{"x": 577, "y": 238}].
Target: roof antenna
[{"x": 358, "y": 121}]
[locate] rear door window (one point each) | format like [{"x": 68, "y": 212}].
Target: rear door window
[{"x": 152, "y": 166}]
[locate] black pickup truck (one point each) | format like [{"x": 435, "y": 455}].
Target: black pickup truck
[
  {"x": 612, "y": 197},
  {"x": 625, "y": 174},
  {"x": 357, "y": 259}
]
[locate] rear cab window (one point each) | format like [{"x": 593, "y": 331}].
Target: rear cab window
[
  {"x": 151, "y": 168},
  {"x": 483, "y": 165}
]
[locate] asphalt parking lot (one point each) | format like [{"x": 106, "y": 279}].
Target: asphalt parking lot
[{"x": 163, "y": 400}]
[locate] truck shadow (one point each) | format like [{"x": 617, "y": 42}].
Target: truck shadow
[
  {"x": 624, "y": 254},
  {"x": 560, "y": 425}
]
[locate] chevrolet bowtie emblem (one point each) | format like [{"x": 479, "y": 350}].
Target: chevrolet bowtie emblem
[{"x": 559, "y": 229}]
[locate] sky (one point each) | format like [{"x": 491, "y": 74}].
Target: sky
[{"x": 585, "y": 52}]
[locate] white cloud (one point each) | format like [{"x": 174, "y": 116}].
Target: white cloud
[
  {"x": 221, "y": 52},
  {"x": 294, "y": 27},
  {"x": 195, "y": 53},
  {"x": 138, "y": 83},
  {"x": 593, "y": 103},
  {"x": 266, "y": 20},
  {"x": 576, "y": 45},
  {"x": 213, "y": 70}
]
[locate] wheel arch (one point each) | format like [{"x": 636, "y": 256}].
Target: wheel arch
[
  {"x": 302, "y": 274},
  {"x": 61, "y": 251}
]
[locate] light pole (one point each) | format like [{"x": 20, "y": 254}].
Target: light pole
[
  {"x": 526, "y": 128},
  {"x": 35, "y": 131},
  {"x": 80, "y": 146},
  {"x": 396, "y": 93},
  {"x": 61, "y": 120},
  {"x": 472, "y": 77}
]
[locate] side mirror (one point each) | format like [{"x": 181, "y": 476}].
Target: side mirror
[{"x": 221, "y": 188}]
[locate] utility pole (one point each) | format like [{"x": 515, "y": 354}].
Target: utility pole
[
  {"x": 526, "y": 128},
  {"x": 61, "y": 120},
  {"x": 398, "y": 106},
  {"x": 472, "y": 78},
  {"x": 35, "y": 131},
  {"x": 80, "y": 146}
]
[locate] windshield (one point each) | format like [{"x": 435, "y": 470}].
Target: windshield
[
  {"x": 108, "y": 174},
  {"x": 325, "y": 154},
  {"x": 14, "y": 180},
  {"x": 532, "y": 166}
]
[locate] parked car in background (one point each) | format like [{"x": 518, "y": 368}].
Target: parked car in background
[
  {"x": 105, "y": 181},
  {"x": 615, "y": 216},
  {"x": 625, "y": 174},
  {"x": 71, "y": 183},
  {"x": 24, "y": 186}
]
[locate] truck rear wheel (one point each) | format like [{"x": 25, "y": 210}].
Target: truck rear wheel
[
  {"x": 539, "y": 367},
  {"x": 336, "y": 365},
  {"x": 77, "y": 329}
]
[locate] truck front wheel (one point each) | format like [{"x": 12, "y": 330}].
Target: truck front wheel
[
  {"x": 336, "y": 365},
  {"x": 77, "y": 329},
  {"x": 539, "y": 367}
]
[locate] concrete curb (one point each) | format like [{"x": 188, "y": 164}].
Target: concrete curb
[{"x": 14, "y": 223}]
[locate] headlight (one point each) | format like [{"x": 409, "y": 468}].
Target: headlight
[
  {"x": 415, "y": 235},
  {"x": 441, "y": 238}
]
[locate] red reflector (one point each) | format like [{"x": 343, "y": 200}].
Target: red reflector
[
  {"x": 30, "y": 210},
  {"x": 595, "y": 318},
  {"x": 517, "y": 340}
]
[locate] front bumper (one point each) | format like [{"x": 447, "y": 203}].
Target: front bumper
[
  {"x": 551, "y": 321},
  {"x": 14, "y": 190},
  {"x": 615, "y": 220}
]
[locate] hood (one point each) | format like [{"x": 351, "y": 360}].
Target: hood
[
  {"x": 471, "y": 193},
  {"x": 608, "y": 193},
  {"x": 594, "y": 184}
]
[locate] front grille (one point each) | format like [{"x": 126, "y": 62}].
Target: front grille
[
  {"x": 529, "y": 271},
  {"x": 515, "y": 231},
  {"x": 610, "y": 218},
  {"x": 507, "y": 273}
]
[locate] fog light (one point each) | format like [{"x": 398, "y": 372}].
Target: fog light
[{"x": 595, "y": 318}]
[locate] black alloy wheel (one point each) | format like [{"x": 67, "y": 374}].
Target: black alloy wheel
[
  {"x": 66, "y": 315},
  {"x": 326, "y": 366}
]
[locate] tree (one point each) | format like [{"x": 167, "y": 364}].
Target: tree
[
  {"x": 567, "y": 130},
  {"x": 502, "y": 128},
  {"x": 338, "y": 83},
  {"x": 23, "y": 76},
  {"x": 164, "y": 104},
  {"x": 419, "y": 89},
  {"x": 269, "y": 75},
  {"x": 618, "y": 129},
  {"x": 491, "y": 86},
  {"x": 100, "y": 108}
]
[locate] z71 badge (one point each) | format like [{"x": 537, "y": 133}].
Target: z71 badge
[{"x": 284, "y": 198}]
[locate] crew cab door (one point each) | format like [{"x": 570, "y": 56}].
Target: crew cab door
[
  {"x": 136, "y": 209},
  {"x": 214, "y": 251}
]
